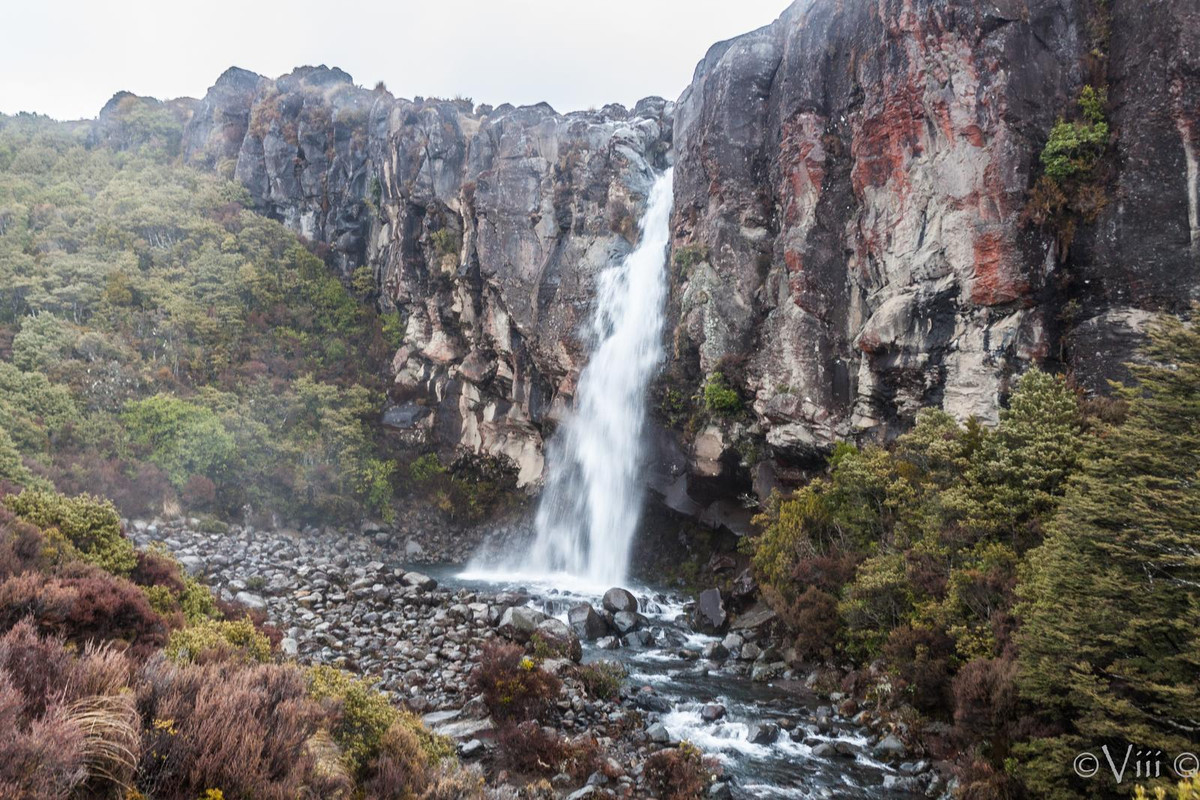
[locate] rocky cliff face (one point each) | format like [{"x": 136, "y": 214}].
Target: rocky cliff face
[
  {"x": 849, "y": 242},
  {"x": 484, "y": 227},
  {"x": 849, "y": 194}
]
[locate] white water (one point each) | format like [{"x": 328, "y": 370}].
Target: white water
[{"x": 591, "y": 505}]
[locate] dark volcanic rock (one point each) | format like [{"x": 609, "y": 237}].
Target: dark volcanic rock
[
  {"x": 587, "y": 622},
  {"x": 709, "y": 615},
  {"x": 617, "y": 599},
  {"x": 849, "y": 189}
]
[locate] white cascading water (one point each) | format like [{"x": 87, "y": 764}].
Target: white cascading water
[{"x": 592, "y": 501}]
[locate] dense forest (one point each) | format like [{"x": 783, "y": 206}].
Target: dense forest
[
  {"x": 1030, "y": 590},
  {"x": 162, "y": 343}
]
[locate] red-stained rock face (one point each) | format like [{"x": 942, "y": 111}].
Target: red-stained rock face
[{"x": 868, "y": 253}]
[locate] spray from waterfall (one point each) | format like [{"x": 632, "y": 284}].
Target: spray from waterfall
[{"x": 592, "y": 501}]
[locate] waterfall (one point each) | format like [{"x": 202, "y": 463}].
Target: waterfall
[{"x": 591, "y": 504}]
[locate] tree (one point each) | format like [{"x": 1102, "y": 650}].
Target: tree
[
  {"x": 41, "y": 343},
  {"x": 184, "y": 439},
  {"x": 1110, "y": 605}
]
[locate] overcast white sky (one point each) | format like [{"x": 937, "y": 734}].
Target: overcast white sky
[{"x": 65, "y": 58}]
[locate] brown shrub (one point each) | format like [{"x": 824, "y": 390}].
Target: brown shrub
[
  {"x": 922, "y": 659},
  {"x": 979, "y": 780},
  {"x": 243, "y": 728},
  {"x": 985, "y": 702},
  {"x": 155, "y": 568},
  {"x": 829, "y": 573},
  {"x": 199, "y": 493},
  {"x": 43, "y": 759},
  {"x": 514, "y": 687},
  {"x": 36, "y": 668},
  {"x": 22, "y": 546},
  {"x": 528, "y": 748},
  {"x": 82, "y": 604},
  {"x": 138, "y": 488},
  {"x": 814, "y": 617},
  {"x": 680, "y": 773}
]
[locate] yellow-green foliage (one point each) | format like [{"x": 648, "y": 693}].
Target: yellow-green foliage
[
  {"x": 1186, "y": 789},
  {"x": 196, "y": 601},
  {"x": 366, "y": 717},
  {"x": 238, "y": 637},
  {"x": 878, "y": 600},
  {"x": 1070, "y": 190},
  {"x": 366, "y": 714},
  {"x": 720, "y": 398},
  {"x": 91, "y": 525}
]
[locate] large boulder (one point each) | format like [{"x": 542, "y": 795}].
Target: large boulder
[
  {"x": 709, "y": 615},
  {"x": 558, "y": 637},
  {"x": 519, "y": 623},
  {"x": 587, "y": 622},
  {"x": 629, "y": 621},
  {"x": 617, "y": 599}
]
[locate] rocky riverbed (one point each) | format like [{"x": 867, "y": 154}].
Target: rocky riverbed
[{"x": 344, "y": 600}]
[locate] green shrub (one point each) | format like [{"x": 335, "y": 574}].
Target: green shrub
[
  {"x": 601, "y": 679},
  {"x": 1070, "y": 190},
  {"x": 366, "y": 715},
  {"x": 878, "y": 600},
  {"x": 197, "y": 602},
  {"x": 720, "y": 398},
  {"x": 425, "y": 468},
  {"x": 92, "y": 526},
  {"x": 689, "y": 256},
  {"x": 446, "y": 241},
  {"x": 224, "y": 638}
]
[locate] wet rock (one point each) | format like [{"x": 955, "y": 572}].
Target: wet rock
[
  {"x": 587, "y": 622},
  {"x": 617, "y": 600},
  {"x": 252, "y": 601},
  {"x": 422, "y": 582},
  {"x": 890, "y": 747},
  {"x": 757, "y": 617},
  {"x": 472, "y": 749},
  {"x": 628, "y": 621},
  {"x": 519, "y": 623},
  {"x": 766, "y": 671},
  {"x": 715, "y": 651},
  {"x": 733, "y": 643},
  {"x": 642, "y": 638},
  {"x": 824, "y": 750},
  {"x": 709, "y": 615},
  {"x": 560, "y": 638},
  {"x": 764, "y": 733},
  {"x": 904, "y": 783},
  {"x": 658, "y": 733},
  {"x": 649, "y": 701},
  {"x": 712, "y": 712},
  {"x": 608, "y": 643},
  {"x": 719, "y": 791}
]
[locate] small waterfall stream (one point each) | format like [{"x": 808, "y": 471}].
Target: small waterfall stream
[{"x": 592, "y": 501}]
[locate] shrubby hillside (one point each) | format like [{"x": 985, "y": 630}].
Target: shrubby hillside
[
  {"x": 1015, "y": 595},
  {"x": 161, "y": 343}
]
